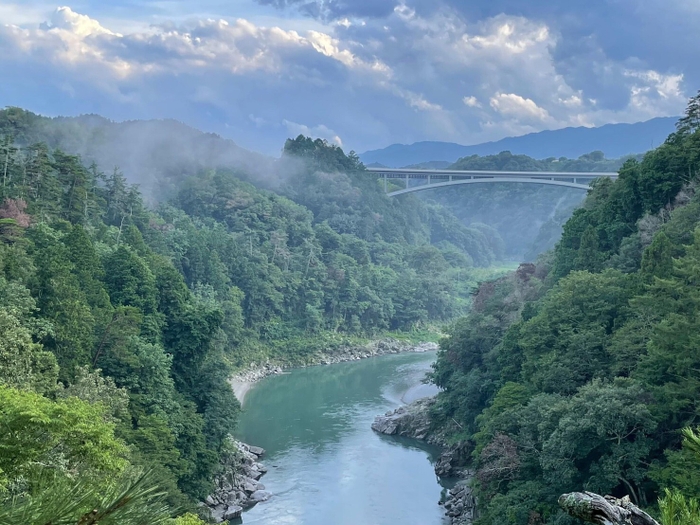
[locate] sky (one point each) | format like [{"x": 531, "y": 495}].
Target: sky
[{"x": 360, "y": 73}]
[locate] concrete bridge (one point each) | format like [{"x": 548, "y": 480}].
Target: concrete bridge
[{"x": 443, "y": 178}]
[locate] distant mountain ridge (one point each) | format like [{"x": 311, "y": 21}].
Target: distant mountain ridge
[{"x": 615, "y": 140}]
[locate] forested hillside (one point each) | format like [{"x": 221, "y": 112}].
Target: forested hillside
[
  {"x": 161, "y": 155},
  {"x": 579, "y": 373},
  {"x": 155, "y": 154},
  {"x": 121, "y": 323}
]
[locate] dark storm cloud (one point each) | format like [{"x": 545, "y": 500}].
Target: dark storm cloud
[{"x": 654, "y": 34}]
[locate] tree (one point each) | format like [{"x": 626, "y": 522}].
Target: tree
[
  {"x": 131, "y": 499},
  {"x": 64, "y": 435},
  {"x": 23, "y": 363},
  {"x": 657, "y": 260},
  {"x": 676, "y": 508},
  {"x": 690, "y": 122},
  {"x": 13, "y": 219}
]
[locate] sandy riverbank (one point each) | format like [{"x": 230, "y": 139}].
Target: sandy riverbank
[{"x": 240, "y": 388}]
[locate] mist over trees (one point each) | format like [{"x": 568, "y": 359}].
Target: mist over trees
[
  {"x": 161, "y": 155},
  {"x": 529, "y": 218}
]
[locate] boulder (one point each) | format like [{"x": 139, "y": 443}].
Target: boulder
[
  {"x": 232, "y": 513},
  {"x": 410, "y": 420},
  {"x": 258, "y": 451},
  {"x": 218, "y": 513},
  {"x": 259, "y": 496},
  {"x": 250, "y": 486}
]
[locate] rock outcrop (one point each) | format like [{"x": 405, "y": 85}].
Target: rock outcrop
[
  {"x": 373, "y": 349},
  {"x": 409, "y": 421},
  {"x": 257, "y": 372},
  {"x": 238, "y": 486}
]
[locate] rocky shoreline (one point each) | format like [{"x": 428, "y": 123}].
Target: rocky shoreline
[
  {"x": 255, "y": 372},
  {"x": 413, "y": 421},
  {"x": 460, "y": 505},
  {"x": 238, "y": 486}
]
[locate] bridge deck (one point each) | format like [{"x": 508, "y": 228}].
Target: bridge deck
[{"x": 443, "y": 178}]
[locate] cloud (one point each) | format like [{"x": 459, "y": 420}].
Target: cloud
[
  {"x": 471, "y": 101},
  {"x": 515, "y": 106},
  {"x": 381, "y": 72},
  {"x": 80, "y": 25},
  {"x": 320, "y": 131},
  {"x": 335, "y": 9}
]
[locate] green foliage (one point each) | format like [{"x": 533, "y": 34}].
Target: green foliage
[
  {"x": 130, "y": 499},
  {"x": 91, "y": 386},
  {"x": 64, "y": 435},
  {"x": 23, "y": 363},
  {"x": 676, "y": 508},
  {"x": 584, "y": 379},
  {"x": 188, "y": 519}
]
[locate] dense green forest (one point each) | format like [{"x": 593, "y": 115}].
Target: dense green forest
[
  {"x": 160, "y": 155},
  {"x": 580, "y": 372},
  {"x": 529, "y": 218},
  {"x": 120, "y": 322}
]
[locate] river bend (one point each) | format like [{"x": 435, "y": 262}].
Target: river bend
[{"x": 326, "y": 466}]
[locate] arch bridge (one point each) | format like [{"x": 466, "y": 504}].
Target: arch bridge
[{"x": 444, "y": 178}]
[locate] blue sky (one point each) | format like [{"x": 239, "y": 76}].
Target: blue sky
[{"x": 361, "y": 73}]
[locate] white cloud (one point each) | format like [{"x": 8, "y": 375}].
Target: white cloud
[
  {"x": 321, "y": 131},
  {"x": 258, "y": 121},
  {"x": 471, "y": 101},
  {"x": 80, "y": 25},
  {"x": 515, "y": 106},
  {"x": 510, "y": 35},
  {"x": 666, "y": 86}
]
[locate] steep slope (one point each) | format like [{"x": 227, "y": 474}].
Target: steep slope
[{"x": 581, "y": 372}]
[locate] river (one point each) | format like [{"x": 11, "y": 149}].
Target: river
[{"x": 326, "y": 466}]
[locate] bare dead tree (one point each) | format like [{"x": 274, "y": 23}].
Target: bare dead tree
[{"x": 593, "y": 508}]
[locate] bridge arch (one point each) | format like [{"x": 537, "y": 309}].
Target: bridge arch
[
  {"x": 547, "y": 182},
  {"x": 444, "y": 178}
]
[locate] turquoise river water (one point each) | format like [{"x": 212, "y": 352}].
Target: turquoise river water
[{"x": 326, "y": 465}]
